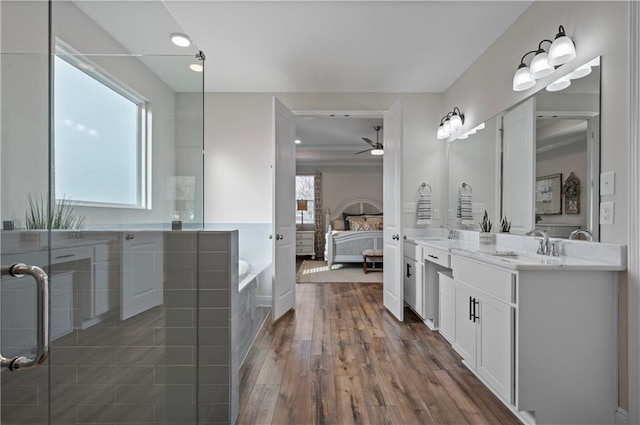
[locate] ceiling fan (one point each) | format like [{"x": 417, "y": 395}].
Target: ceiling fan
[{"x": 376, "y": 147}]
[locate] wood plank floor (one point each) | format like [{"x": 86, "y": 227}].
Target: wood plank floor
[{"x": 340, "y": 358}]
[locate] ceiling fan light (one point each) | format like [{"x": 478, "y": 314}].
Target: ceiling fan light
[
  {"x": 562, "y": 49},
  {"x": 522, "y": 79},
  {"x": 540, "y": 66},
  {"x": 560, "y": 84},
  {"x": 196, "y": 67},
  {"x": 580, "y": 72},
  {"x": 297, "y": 141},
  {"x": 377, "y": 152}
]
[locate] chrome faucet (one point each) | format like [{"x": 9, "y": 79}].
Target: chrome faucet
[
  {"x": 584, "y": 232},
  {"x": 546, "y": 247},
  {"x": 452, "y": 233}
]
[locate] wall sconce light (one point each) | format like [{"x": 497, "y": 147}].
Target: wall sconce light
[
  {"x": 561, "y": 51},
  {"x": 450, "y": 123}
]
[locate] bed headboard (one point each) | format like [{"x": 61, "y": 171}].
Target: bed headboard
[{"x": 353, "y": 206}]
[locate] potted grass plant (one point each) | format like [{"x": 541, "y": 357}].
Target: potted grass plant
[
  {"x": 64, "y": 215},
  {"x": 486, "y": 237},
  {"x": 505, "y": 225}
]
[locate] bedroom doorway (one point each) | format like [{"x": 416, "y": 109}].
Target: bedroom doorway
[{"x": 335, "y": 169}]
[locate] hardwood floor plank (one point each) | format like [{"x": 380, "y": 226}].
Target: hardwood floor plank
[
  {"x": 259, "y": 407},
  {"x": 292, "y": 398},
  {"x": 344, "y": 362},
  {"x": 351, "y": 407},
  {"x": 321, "y": 336},
  {"x": 249, "y": 372},
  {"x": 273, "y": 368},
  {"x": 376, "y": 389},
  {"x": 322, "y": 391},
  {"x": 384, "y": 415}
]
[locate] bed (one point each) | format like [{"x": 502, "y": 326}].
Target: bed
[{"x": 346, "y": 246}]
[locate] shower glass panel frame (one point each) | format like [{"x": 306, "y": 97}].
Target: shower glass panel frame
[{"x": 123, "y": 287}]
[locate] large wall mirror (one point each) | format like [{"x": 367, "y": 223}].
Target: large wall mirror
[{"x": 537, "y": 163}]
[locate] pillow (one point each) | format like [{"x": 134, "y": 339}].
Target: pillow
[
  {"x": 337, "y": 224},
  {"x": 360, "y": 226},
  {"x": 375, "y": 222},
  {"x": 346, "y": 216},
  {"x": 351, "y": 220}
]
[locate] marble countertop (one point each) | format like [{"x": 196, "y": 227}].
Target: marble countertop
[{"x": 515, "y": 258}]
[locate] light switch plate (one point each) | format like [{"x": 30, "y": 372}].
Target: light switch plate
[
  {"x": 607, "y": 212},
  {"x": 436, "y": 213},
  {"x": 608, "y": 183},
  {"x": 409, "y": 207}
]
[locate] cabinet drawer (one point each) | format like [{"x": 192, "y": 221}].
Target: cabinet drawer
[
  {"x": 304, "y": 243},
  {"x": 413, "y": 251},
  {"x": 304, "y": 250},
  {"x": 304, "y": 236},
  {"x": 497, "y": 282},
  {"x": 437, "y": 256}
]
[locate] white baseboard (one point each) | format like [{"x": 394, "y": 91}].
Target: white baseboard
[{"x": 622, "y": 417}]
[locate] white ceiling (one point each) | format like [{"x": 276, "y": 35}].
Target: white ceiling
[{"x": 341, "y": 46}]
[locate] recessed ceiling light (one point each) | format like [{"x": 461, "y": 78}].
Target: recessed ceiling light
[
  {"x": 180, "y": 39},
  {"x": 196, "y": 67},
  {"x": 298, "y": 141}
]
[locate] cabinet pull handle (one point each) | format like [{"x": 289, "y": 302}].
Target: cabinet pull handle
[
  {"x": 475, "y": 310},
  {"x": 432, "y": 256},
  {"x": 65, "y": 256},
  {"x": 471, "y": 308},
  {"x": 408, "y": 270},
  {"x": 42, "y": 306}
]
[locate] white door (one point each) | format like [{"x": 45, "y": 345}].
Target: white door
[
  {"x": 142, "y": 272},
  {"x": 392, "y": 186},
  {"x": 519, "y": 173},
  {"x": 284, "y": 230}
]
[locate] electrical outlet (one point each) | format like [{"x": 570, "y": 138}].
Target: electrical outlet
[
  {"x": 607, "y": 212},
  {"x": 436, "y": 213},
  {"x": 409, "y": 207},
  {"x": 608, "y": 183},
  {"x": 477, "y": 208}
]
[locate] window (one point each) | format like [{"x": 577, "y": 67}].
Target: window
[
  {"x": 100, "y": 138},
  {"x": 305, "y": 190}
]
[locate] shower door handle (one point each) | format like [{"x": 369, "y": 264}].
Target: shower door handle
[{"x": 42, "y": 301}]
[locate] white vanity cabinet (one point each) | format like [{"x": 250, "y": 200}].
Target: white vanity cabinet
[
  {"x": 447, "y": 306},
  {"x": 412, "y": 277},
  {"x": 542, "y": 338},
  {"x": 484, "y": 333}
]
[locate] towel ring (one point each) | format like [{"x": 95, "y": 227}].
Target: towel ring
[
  {"x": 464, "y": 185},
  {"x": 422, "y": 186}
]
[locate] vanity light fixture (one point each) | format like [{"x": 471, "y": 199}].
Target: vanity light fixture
[
  {"x": 580, "y": 72},
  {"x": 180, "y": 39},
  {"x": 562, "y": 50},
  {"x": 543, "y": 64},
  {"x": 377, "y": 152},
  {"x": 466, "y": 135},
  {"x": 450, "y": 123}
]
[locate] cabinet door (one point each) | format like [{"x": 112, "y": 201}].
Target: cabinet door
[
  {"x": 447, "y": 307},
  {"x": 409, "y": 281},
  {"x": 495, "y": 346},
  {"x": 102, "y": 287},
  {"x": 465, "y": 327}
]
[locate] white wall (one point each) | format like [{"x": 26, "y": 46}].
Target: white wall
[
  {"x": 340, "y": 184},
  {"x": 238, "y": 147}
]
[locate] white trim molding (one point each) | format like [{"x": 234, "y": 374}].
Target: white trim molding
[{"x": 633, "y": 276}]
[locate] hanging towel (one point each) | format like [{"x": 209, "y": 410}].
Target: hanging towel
[
  {"x": 464, "y": 208},
  {"x": 424, "y": 209}
]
